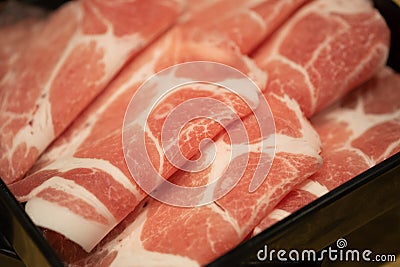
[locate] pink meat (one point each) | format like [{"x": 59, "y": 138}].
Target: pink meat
[
  {"x": 63, "y": 66},
  {"x": 68, "y": 178},
  {"x": 247, "y": 23},
  {"x": 163, "y": 235},
  {"x": 87, "y": 164},
  {"x": 358, "y": 132},
  {"x": 325, "y": 50}
]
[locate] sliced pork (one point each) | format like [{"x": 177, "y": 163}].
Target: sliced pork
[
  {"x": 194, "y": 236},
  {"x": 63, "y": 66},
  {"x": 247, "y": 22},
  {"x": 83, "y": 176},
  {"x": 358, "y": 132},
  {"x": 159, "y": 234},
  {"x": 326, "y": 49}
]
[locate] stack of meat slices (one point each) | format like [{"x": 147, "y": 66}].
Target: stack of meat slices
[
  {"x": 74, "y": 177},
  {"x": 303, "y": 55},
  {"x": 357, "y": 132},
  {"x": 61, "y": 64}
]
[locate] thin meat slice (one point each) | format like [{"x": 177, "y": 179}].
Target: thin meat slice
[
  {"x": 324, "y": 50},
  {"x": 247, "y": 23},
  {"x": 63, "y": 66},
  {"x": 358, "y": 132},
  {"x": 169, "y": 230},
  {"x": 69, "y": 176},
  {"x": 84, "y": 177},
  {"x": 163, "y": 235}
]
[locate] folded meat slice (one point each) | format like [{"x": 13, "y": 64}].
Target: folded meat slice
[
  {"x": 359, "y": 131},
  {"x": 326, "y": 49},
  {"x": 247, "y": 23},
  {"x": 63, "y": 66},
  {"x": 159, "y": 234},
  {"x": 83, "y": 175},
  {"x": 194, "y": 236}
]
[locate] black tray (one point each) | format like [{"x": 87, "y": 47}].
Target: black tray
[{"x": 352, "y": 205}]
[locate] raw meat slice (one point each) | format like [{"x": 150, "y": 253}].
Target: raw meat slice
[
  {"x": 358, "y": 132},
  {"x": 247, "y": 23},
  {"x": 325, "y": 50},
  {"x": 67, "y": 63},
  {"x": 163, "y": 235},
  {"x": 92, "y": 151},
  {"x": 165, "y": 229},
  {"x": 70, "y": 176}
]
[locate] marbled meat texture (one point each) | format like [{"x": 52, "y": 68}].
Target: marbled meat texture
[
  {"x": 324, "y": 50},
  {"x": 89, "y": 156},
  {"x": 158, "y": 234},
  {"x": 59, "y": 69},
  {"x": 359, "y": 131}
]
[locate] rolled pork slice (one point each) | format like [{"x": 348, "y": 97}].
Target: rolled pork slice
[
  {"x": 64, "y": 66},
  {"x": 170, "y": 230},
  {"x": 358, "y": 132},
  {"x": 247, "y": 23},
  {"x": 158, "y": 234},
  {"x": 89, "y": 156},
  {"x": 326, "y": 49},
  {"x": 83, "y": 176}
]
